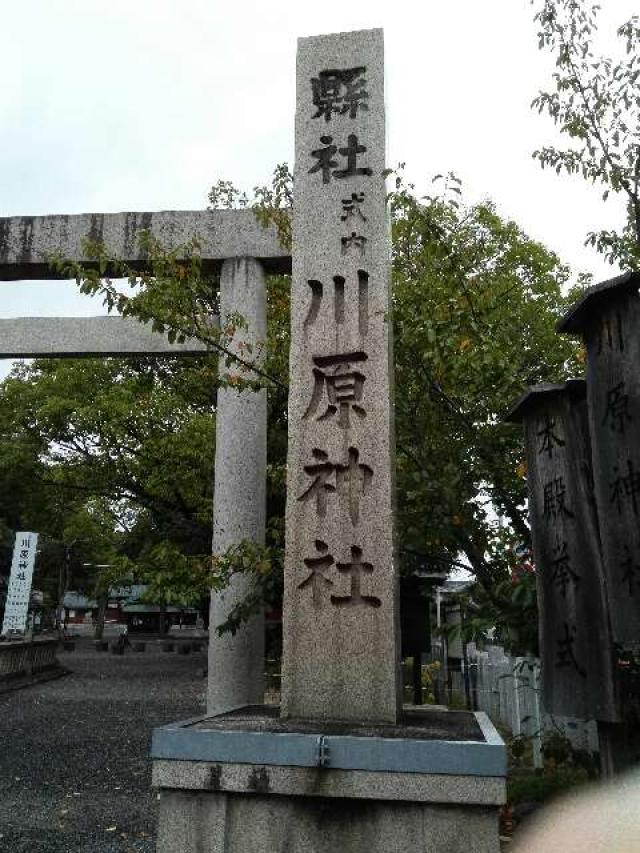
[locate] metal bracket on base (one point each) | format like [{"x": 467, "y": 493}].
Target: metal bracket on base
[{"x": 322, "y": 751}]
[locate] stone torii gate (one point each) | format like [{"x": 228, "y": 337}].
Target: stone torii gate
[
  {"x": 342, "y": 765},
  {"x": 243, "y": 252}
]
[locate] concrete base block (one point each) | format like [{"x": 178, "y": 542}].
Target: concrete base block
[
  {"x": 210, "y": 822},
  {"x": 249, "y": 782}
]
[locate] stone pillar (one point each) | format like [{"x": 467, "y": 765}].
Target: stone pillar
[
  {"x": 341, "y": 648},
  {"x": 236, "y": 663},
  {"x": 341, "y": 768},
  {"x": 575, "y": 645}
]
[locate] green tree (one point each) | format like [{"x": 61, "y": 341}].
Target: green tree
[
  {"x": 31, "y": 500},
  {"x": 130, "y": 431},
  {"x": 136, "y": 439},
  {"x": 475, "y": 303},
  {"x": 105, "y": 460},
  {"x": 595, "y": 101}
]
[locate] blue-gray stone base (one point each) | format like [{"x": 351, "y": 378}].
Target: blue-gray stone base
[{"x": 248, "y": 782}]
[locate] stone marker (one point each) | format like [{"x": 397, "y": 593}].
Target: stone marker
[
  {"x": 575, "y": 645},
  {"x": 339, "y": 768},
  {"x": 608, "y": 318},
  {"x": 341, "y": 655}
]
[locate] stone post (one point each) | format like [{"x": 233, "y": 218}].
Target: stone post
[
  {"x": 575, "y": 646},
  {"x": 236, "y": 663},
  {"x": 341, "y": 648}
]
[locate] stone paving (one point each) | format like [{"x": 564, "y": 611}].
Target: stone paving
[{"x": 74, "y": 753}]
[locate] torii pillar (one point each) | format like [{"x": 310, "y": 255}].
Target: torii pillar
[
  {"x": 234, "y": 243},
  {"x": 236, "y": 662}
]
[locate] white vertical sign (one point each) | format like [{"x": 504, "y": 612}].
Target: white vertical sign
[{"x": 24, "y": 555}]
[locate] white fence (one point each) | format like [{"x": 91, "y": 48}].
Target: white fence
[{"x": 509, "y": 691}]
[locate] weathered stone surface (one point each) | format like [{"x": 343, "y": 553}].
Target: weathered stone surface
[
  {"x": 26, "y": 242},
  {"x": 328, "y": 782},
  {"x": 216, "y": 822},
  {"x": 341, "y": 604},
  {"x": 575, "y": 643},
  {"x": 26, "y": 657},
  {"x": 608, "y": 318},
  {"x": 83, "y": 337},
  {"x": 236, "y": 663},
  {"x": 424, "y": 723}
]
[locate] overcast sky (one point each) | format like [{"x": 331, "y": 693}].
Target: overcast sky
[{"x": 123, "y": 105}]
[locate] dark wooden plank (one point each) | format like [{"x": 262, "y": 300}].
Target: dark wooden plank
[
  {"x": 574, "y": 634},
  {"x": 611, "y": 332}
]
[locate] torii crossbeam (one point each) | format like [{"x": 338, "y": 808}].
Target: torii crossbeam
[{"x": 233, "y": 244}]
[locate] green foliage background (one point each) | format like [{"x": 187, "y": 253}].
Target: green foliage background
[
  {"x": 132, "y": 440},
  {"x": 113, "y": 458}
]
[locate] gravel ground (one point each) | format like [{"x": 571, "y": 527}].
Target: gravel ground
[{"x": 75, "y": 774}]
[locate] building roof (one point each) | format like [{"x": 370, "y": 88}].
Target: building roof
[
  {"x": 593, "y": 300},
  {"x": 129, "y": 597},
  {"x": 76, "y": 601},
  {"x": 141, "y": 607},
  {"x": 533, "y": 396},
  {"x": 129, "y": 593}
]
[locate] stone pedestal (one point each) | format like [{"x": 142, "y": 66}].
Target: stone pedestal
[{"x": 248, "y": 781}]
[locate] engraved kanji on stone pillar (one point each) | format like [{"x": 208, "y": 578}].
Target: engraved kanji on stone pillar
[{"x": 340, "y": 604}]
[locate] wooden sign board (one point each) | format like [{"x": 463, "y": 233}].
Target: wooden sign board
[
  {"x": 608, "y": 318},
  {"x": 574, "y": 635}
]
